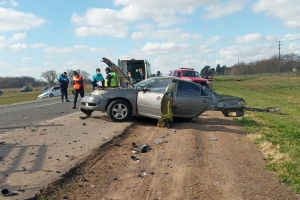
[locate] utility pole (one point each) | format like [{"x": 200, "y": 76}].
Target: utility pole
[
  {"x": 239, "y": 66},
  {"x": 279, "y": 58}
]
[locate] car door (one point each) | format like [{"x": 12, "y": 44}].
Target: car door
[
  {"x": 56, "y": 91},
  {"x": 191, "y": 101},
  {"x": 149, "y": 100}
]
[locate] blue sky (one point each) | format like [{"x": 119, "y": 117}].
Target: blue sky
[{"x": 36, "y": 36}]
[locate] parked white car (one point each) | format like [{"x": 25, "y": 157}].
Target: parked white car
[{"x": 51, "y": 92}]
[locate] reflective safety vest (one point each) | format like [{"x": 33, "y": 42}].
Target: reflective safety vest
[
  {"x": 113, "y": 81},
  {"x": 77, "y": 85}
]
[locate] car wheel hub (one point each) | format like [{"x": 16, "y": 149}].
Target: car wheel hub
[{"x": 119, "y": 111}]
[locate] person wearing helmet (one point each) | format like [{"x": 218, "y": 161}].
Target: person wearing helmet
[
  {"x": 168, "y": 106},
  {"x": 96, "y": 78},
  {"x": 111, "y": 78}
]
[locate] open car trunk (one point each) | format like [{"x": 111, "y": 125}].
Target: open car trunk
[{"x": 123, "y": 78}]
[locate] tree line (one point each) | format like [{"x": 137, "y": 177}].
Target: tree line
[
  {"x": 49, "y": 78},
  {"x": 271, "y": 65}
]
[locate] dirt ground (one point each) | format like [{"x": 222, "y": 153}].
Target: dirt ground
[{"x": 188, "y": 164}]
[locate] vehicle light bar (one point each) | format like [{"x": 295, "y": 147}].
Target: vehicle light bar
[{"x": 187, "y": 68}]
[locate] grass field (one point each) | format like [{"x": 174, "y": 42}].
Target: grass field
[
  {"x": 278, "y": 134},
  {"x": 11, "y": 96}
]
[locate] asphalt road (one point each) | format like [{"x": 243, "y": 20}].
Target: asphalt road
[{"x": 30, "y": 113}]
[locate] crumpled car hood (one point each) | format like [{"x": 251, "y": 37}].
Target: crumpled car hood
[{"x": 224, "y": 103}]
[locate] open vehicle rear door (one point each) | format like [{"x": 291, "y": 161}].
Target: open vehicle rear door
[{"x": 121, "y": 75}]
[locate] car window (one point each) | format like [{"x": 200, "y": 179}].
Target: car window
[
  {"x": 190, "y": 73},
  {"x": 159, "y": 86},
  {"x": 175, "y": 73},
  {"x": 187, "y": 89},
  {"x": 144, "y": 83}
]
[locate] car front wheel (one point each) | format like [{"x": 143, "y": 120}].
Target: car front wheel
[
  {"x": 119, "y": 111},
  {"x": 51, "y": 95}
]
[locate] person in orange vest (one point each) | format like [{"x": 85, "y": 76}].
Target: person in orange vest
[{"x": 78, "y": 87}]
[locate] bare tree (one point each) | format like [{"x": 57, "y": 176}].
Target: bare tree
[
  {"x": 84, "y": 74},
  {"x": 50, "y": 76}
]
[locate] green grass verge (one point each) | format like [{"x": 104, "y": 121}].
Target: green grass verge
[
  {"x": 14, "y": 96},
  {"x": 280, "y": 130}
]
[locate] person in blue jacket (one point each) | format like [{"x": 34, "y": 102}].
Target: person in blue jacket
[
  {"x": 96, "y": 78},
  {"x": 64, "y": 83}
]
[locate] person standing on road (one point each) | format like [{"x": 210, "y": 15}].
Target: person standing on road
[
  {"x": 97, "y": 78},
  {"x": 111, "y": 78},
  {"x": 64, "y": 83},
  {"x": 78, "y": 87}
]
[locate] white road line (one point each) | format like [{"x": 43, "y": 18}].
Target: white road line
[{"x": 48, "y": 104}]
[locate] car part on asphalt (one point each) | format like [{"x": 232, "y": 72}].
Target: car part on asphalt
[{"x": 6, "y": 193}]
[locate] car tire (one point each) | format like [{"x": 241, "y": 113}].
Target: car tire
[
  {"x": 51, "y": 95},
  {"x": 119, "y": 111}
]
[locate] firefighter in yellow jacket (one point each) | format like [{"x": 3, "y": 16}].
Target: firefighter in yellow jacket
[{"x": 168, "y": 106}]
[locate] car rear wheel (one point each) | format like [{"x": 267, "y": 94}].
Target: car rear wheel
[
  {"x": 51, "y": 95},
  {"x": 119, "y": 111}
]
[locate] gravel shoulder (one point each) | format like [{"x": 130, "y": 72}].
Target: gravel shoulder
[{"x": 209, "y": 159}]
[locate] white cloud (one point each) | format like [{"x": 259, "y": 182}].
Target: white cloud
[
  {"x": 187, "y": 6},
  {"x": 4, "y": 65},
  {"x": 75, "y": 64},
  {"x": 151, "y": 48},
  {"x": 27, "y": 58},
  {"x": 249, "y": 53},
  {"x": 37, "y": 45},
  {"x": 27, "y": 69},
  {"x": 14, "y": 3},
  {"x": 95, "y": 49},
  {"x": 113, "y": 30},
  {"x": 222, "y": 9},
  {"x": 171, "y": 35},
  {"x": 270, "y": 37},
  {"x": 6, "y": 41},
  {"x": 248, "y": 38},
  {"x": 19, "y": 46},
  {"x": 294, "y": 47},
  {"x": 13, "y": 20},
  {"x": 100, "y": 21},
  {"x": 59, "y": 50},
  {"x": 292, "y": 37},
  {"x": 213, "y": 39},
  {"x": 287, "y": 10}
]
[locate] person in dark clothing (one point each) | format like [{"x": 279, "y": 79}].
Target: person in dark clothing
[
  {"x": 64, "y": 83},
  {"x": 78, "y": 87},
  {"x": 141, "y": 76}
]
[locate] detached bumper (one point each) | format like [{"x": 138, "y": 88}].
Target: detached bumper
[{"x": 93, "y": 103}]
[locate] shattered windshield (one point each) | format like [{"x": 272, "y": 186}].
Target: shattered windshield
[
  {"x": 190, "y": 74},
  {"x": 144, "y": 83}
]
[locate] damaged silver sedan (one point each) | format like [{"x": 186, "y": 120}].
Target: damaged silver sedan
[{"x": 144, "y": 99}]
